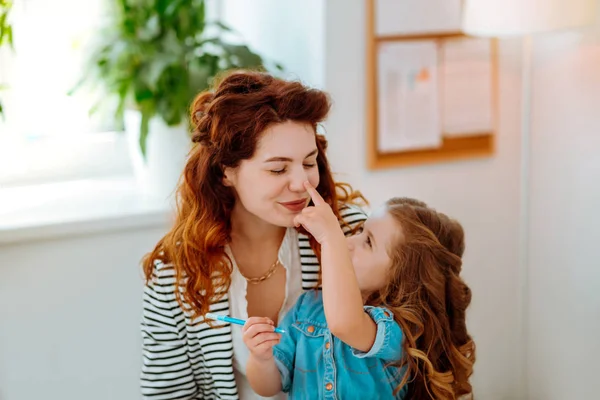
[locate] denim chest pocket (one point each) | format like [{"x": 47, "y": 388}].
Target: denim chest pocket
[
  {"x": 312, "y": 342},
  {"x": 311, "y": 330}
]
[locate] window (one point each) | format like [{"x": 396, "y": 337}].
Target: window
[{"x": 46, "y": 133}]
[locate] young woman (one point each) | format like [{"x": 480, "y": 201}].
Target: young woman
[{"x": 234, "y": 248}]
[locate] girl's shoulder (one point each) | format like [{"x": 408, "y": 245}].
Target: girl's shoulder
[
  {"x": 310, "y": 298},
  {"x": 309, "y": 307}
]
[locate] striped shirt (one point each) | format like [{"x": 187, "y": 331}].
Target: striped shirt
[{"x": 185, "y": 359}]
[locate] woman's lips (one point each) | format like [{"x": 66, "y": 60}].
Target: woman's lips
[{"x": 295, "y": 206}]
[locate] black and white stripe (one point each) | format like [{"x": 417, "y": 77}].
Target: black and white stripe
[{"x": 185, "y": 360}]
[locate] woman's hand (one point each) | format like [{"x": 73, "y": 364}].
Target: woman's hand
[
  {"x": 319, "y": 220},
  {"x": 260, "y": 337}
]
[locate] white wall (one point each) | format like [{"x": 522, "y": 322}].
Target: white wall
[
  {"x": 483, "y": 195},
  {"x": 564, "y": 329},
  {"x": 289, "y": 32},
  {"x": 69, "y": 317},
  {"x": 564, "y": 288}
]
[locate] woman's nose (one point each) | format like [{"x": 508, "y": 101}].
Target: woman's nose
[{"x": 297, "y": 179}]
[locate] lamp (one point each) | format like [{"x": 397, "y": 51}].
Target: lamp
[
  {"x": 507, "y": 18},
  {"x": 504, "y": 18}
]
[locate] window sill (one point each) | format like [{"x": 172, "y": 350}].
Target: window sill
[{"x": 75, "y": 208}]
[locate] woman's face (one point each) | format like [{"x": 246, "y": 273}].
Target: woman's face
[{"x": 270, "y": 184}]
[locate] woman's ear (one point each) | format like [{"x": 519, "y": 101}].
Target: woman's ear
[{"x": 229, "y": 176}]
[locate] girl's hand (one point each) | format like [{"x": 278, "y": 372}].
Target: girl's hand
[
  {"x": 260, "y": 337},
  {"x": 319, "y": 219}
]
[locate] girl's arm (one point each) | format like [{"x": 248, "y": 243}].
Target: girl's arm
[
  {"x": 342, "y": 300},
  {"x": 263, "y": 376},
  {"x": 261, "y": 370},
  {"x": 270, "y": 368}
]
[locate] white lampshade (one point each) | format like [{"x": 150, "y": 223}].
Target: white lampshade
[{"x": 498, "y": 18}]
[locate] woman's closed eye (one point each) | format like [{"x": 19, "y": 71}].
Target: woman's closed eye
[{"x": 284, "y": 169}]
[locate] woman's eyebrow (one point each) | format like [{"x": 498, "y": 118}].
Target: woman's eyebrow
[{"x": 287, "y": 159}]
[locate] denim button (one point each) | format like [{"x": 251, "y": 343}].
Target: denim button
[
  {"x": 327, "y": 345},
  {"x": 329, "y": 386},
  {"x": 310, "y": 329},
  {"x": 387, "y": 314}
]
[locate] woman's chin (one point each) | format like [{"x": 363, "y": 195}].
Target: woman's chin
[
  {"x": 286, "y": 221},
  {"x": 282, "y": 217}
]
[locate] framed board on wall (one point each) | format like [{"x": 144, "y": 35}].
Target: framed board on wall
[{"x": 431, "y": 90}]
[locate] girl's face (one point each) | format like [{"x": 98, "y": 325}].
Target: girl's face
[
  {"x": 269, "y": 186},
  {"x": 370, "y": 250}
]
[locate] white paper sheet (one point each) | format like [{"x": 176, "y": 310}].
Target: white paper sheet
[
  {"x": 400, "y": 17},
  {"x": 408, "y": 107},
  {"x": 466, "y": 82}
]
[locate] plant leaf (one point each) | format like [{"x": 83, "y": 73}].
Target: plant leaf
[
  {"x": 242, "y": 56},
  {"x": 144, "y": 128},
  {"x": 157, "y": 69},
  {"x": 156, "y": 55}
]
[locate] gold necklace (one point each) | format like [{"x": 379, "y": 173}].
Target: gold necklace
[{"x": 267, "y": 275}]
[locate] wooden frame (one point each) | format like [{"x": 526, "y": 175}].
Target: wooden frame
[{"x": 452, "y": 148}]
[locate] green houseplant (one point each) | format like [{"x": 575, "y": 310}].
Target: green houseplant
[
  {"x": 155, "y": 55},
  {"x": 6, "y": 35}
]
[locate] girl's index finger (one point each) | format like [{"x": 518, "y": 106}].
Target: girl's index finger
[{"x": 314, "y": 195}]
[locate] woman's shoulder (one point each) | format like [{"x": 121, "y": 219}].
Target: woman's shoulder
[
  {"x": 163, "y": 277},
  {"x": 352, "y": 214},
  {"x": 162, "y": 270},
  {"x": 161, "y": 291}
]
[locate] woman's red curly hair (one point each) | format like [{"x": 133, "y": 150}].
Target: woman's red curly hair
[{"x": 227, "y": 124}]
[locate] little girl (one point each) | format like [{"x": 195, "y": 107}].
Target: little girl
[{"x": 390, "y": 320}]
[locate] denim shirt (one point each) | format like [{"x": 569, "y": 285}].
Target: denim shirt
[{"x": 316, "y": 365}]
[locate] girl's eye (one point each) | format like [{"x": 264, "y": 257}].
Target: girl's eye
[{"x": 308, "y": 166}]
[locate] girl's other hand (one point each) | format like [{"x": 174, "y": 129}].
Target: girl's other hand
[{"x": 260, "y": 337}]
